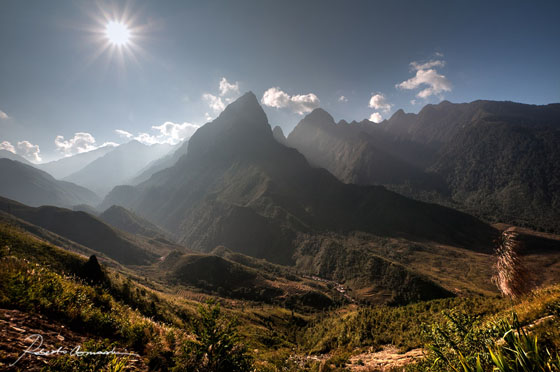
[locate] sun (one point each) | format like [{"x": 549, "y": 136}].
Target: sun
[{"x": 117, "y": 33}]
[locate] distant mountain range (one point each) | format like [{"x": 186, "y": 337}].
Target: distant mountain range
[
  {"x": 238, "y": 187},
  {"x": 68, "y": 165},
  {"x": 91, "y": 232},
  {"x": 117, "y": 167},
  {"x": 102, "y": 169},
  {"x": 497, "y": 160},
  {"x": 326, "y": 201},
  {"x": 160, "y": 164},
  {"x": 34, "y": 187}
]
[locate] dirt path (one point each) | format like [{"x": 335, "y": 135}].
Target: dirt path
[
  {"x": 389, "y": 358},
  {"x": 17, "y": 326}
]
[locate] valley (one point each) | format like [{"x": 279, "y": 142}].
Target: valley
[{"x": 302, "y": 268}]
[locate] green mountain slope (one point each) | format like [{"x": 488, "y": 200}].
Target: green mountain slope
[{"x": 88, "y": 231}]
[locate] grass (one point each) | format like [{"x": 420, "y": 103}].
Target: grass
[
  {"x": 377, "y": 326},
  {"x": 135, "y": 313},
  {"x": 524, "y": 337}
]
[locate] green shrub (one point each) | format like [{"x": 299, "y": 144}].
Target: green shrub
[{"x": 216, "y": 346}]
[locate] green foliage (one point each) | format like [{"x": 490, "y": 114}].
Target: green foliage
[
  {"x": 465, "y": 344},
  {"x": 216, "y": 347},
  {"x": 377, "y": 326},
  {"x": 89, "y": 363}
]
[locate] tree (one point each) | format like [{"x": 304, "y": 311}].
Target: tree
[{"x": 215, "y": 347}]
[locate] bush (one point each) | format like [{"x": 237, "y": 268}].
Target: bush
[{"x": 216, "y": 346}]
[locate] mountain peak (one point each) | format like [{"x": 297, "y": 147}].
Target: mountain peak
[
  {"x": 278, "y": 134},
  {"x": 243, "y": 111},
  {"x": 319, "y": 116},
  {"x": 241, "y": 127}
]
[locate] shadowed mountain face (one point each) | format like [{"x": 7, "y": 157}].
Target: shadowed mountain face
[
  {"x": 238, "y": 187},
  {"x": 88, "y": 231},
  {"x": 278, "y": 134},
  {"x": 496, "y": 160},
  {"x": 5, "y": 154},
  {"x": 436, "y": 125},
  {"x": 34, "y": 187},
  {"x": 125, "y": 220},
  {"x": 118, "y": 166},
  {"x": 356, "y": 154},
  {"x": 160, "y": 164}
]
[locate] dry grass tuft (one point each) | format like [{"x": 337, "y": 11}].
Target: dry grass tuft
[{"x": 512, "y": 276}]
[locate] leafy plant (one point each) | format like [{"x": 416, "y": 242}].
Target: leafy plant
[{"x": 216, "y": 346}]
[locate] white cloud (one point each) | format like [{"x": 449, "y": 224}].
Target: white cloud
[
  {"x": 227, "y": 93},
  {"x": 300, "y": 104},
  {"x": 109, "y": 143},
  {"x": 124, "y": 133},
  {"x": 81, "y": 142},
  {"x": 29, "y": 151},
  {"x": 379, "y": 102},
  {"x": 3, "y": 115},
  {"x": 376, "y": 117},
  {"x": 146, "y": 139},
  {"x": 342, "y": 99},
  {"x": 413, "y": 101},
  {"x": 5, "y": 145},
  {"x": 207, "y": 116},
  {"x": 214, "y": 102},
  {"x": 175, "y": 133},
  {"x": 426, "y": 65},
  {"x": 426, "y": 75},
  {"x": 169, "y": 132},
  {"x": 226, "y": 88}
]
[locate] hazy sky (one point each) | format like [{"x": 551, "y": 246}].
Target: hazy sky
[{"x": 185, "y": 60}]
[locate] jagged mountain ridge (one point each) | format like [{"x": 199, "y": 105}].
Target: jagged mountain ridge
[
  {"x": 496, "y": 160},
  {"x": 355, "y": 155},
  {"x": 238, "y": 187}
]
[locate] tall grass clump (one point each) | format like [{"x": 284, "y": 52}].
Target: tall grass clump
[{"x": 512, "y": 277}]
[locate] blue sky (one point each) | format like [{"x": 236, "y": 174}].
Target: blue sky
[{"x": 403, "y": 54}]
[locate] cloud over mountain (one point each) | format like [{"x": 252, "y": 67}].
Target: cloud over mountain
[
  {"x": 123, "y": 133},
  {"x": 300, "y": 104},
  {"x": 227, "y": 93},
  {"x": 376, "y": 117},
  {"x": 24, "y": 148},
  {"x": 167, "y": 133},
  {"x": 427, "y": 75},
  {"x": 379, "y": 102},
  {"x": 29, "y": 151},
  {"x": 5, "y": 145},
  {"x": 227, "y": 88},
  {"x": 81, "y": 142}
]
